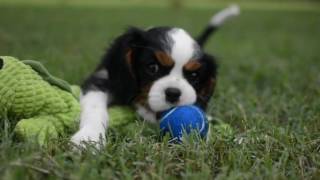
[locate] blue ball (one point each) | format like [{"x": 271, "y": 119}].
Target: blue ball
[{"x": 183, "y": 120}]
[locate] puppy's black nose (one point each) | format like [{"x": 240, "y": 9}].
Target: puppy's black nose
[
  {"x": 1, "y": 63},
  {"x": 172, "y": 94}
]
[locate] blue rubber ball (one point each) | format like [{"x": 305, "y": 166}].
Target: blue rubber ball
[{"x": 183, "y": 119}]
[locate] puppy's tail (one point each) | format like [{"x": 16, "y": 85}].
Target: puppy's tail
[{"x": 216, "y": 21}]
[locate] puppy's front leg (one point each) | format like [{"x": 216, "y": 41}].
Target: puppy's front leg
[{"x": 94, "y": 118}]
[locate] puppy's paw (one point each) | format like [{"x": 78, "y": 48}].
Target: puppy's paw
[{"x": 87, "y": 136}]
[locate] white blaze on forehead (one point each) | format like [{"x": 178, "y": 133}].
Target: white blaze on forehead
[{"x": 183, "y": 48}]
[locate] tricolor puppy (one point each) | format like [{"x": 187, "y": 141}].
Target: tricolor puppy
[{"x": 151, "y": 70}]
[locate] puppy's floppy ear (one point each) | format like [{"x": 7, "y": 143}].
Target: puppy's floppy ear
[
  {"x": 209, "y": 84},
  {"x": 119, "y": 62},
  {"x": 135, "y": 38}
]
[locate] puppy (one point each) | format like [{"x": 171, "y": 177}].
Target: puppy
[{"x": 151, "y": 70}]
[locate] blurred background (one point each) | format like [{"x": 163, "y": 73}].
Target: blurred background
[{"x": 62, "y": 33}]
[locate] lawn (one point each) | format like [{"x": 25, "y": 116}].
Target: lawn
[{"x": 268, "y": 91}]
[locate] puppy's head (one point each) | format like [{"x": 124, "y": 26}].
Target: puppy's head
[{"x": 169, "y": 68}]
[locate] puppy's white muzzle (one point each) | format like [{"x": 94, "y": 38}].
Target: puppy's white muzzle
[{"x": 157, "y": 96}]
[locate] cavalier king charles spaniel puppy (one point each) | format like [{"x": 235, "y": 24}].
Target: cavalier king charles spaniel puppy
[{"x": 151, "y": 70}]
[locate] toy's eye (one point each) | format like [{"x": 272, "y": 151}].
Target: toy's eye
[
  {"x": 1, "y": 63},
  {"x": 152, "y": 68}
]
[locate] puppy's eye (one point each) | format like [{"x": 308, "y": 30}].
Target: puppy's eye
[
  {"x": 152, "y": 68},
  {"x": 194, "y": 74},
  {"x": 193, "y": 77}
]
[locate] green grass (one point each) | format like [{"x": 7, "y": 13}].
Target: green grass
[{"x": 268, "y": 91}]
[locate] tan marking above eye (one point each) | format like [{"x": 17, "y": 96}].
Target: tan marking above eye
[
  {"x": 193, "y": 65},
  {"x": 164, "y": 59}
]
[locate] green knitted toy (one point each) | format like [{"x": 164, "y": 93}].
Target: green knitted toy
[{"x": 43, "y": 106}]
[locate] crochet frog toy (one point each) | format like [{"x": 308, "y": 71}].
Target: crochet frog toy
[{"x": 40, "y": 105}]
